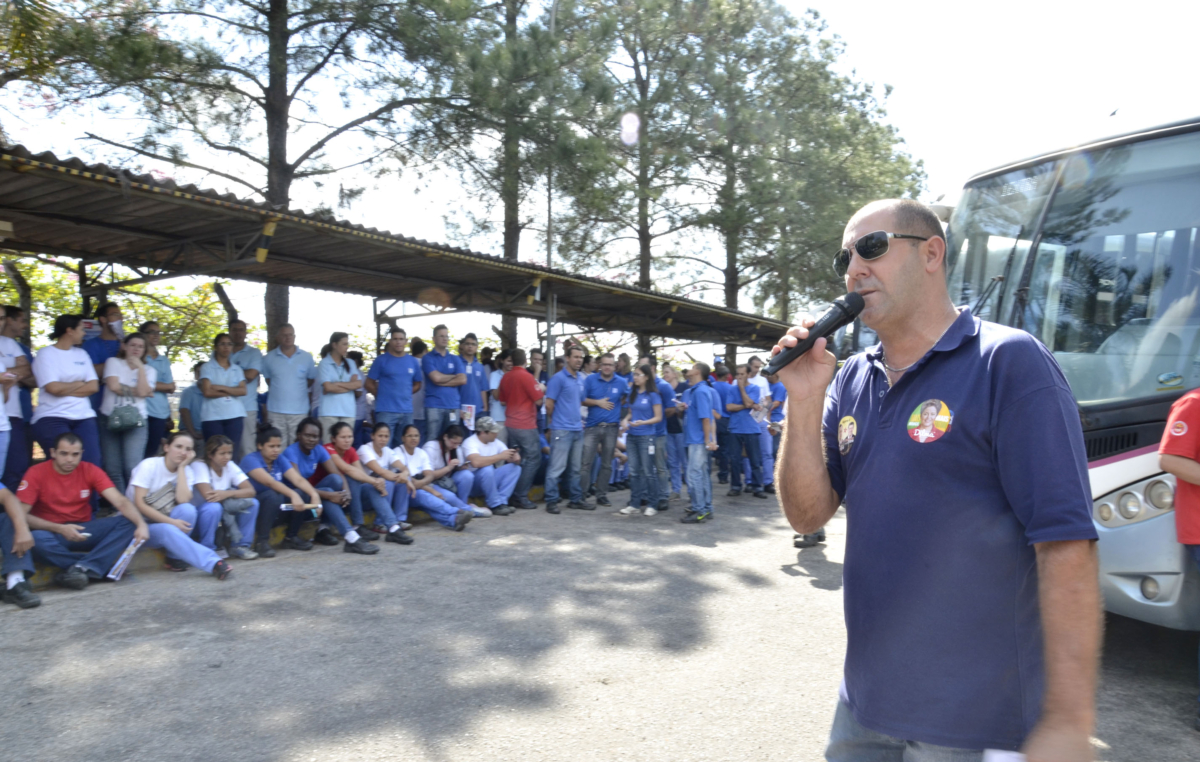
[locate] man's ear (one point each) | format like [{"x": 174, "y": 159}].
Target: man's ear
[{"x": 934, "y": 252}]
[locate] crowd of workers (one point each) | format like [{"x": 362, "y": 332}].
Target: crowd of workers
[{"x": 325, "y": 440}]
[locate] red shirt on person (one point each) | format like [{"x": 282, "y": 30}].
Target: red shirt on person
[
  {"x": 1182, "y": 438},
  {"x": 348, "y": 457},
  {"x": 62, "y": 498},
  {"x": 519, "y": 393}
]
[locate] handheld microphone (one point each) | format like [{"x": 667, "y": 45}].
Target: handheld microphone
[{"x": 843, "y": 311}]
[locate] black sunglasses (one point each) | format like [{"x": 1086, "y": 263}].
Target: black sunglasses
[{"x": 871, "y": 246}]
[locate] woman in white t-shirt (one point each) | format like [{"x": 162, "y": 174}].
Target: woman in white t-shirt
[
  {"x": 436, "y": 502},
  {"x": 447, "y": 459},
  {"x": 161, "y": 489},
  {"x": 66, "y": 380},
  {"x": 128, "y": 381},
  {"x": 221, "y": 487}
]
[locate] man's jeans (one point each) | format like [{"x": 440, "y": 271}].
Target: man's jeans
[
  {"x": 643, "y": 476},
  {"x": 851, "y": 742},
  {"x": 526, "y": 442},
  {"x": 437, "y": 419},
  {"x": 566, "y": 452},
  {"x": 699, "y": 479},
  {"x": 723, "y": 447},
  {"x": 603, "y": 438},
  {"x": 397, "y": 422},
  {"x": 677, "y": 458},
  {"x": 751, "y": 443},
  {"x": 767, "y": 448},
  {"x": 20, "y": 447},
  {"x": 97, "y": 554}
]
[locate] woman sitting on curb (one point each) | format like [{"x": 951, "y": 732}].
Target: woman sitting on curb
[
  {"x": 381, "y": 460},
  {"x": 372, "y": 490},
  {"x": 447, "y": 460},
  {"x": 224, "y": 491},
  {"x": 161, "y": 489},
  {"x": 271, "y": 474},
  {"x": 428, "y": 498}
]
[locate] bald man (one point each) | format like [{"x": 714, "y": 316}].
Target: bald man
[{"x": 970, "y": 582}]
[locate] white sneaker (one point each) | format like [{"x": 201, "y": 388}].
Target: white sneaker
[
  {"x": 650, "y": 511},
  {"x": 628, "y": 510},
  {"x": 222, "y": 553}
]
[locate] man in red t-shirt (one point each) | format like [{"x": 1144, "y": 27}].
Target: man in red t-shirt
[
  {"x": 1179, "y": 455},
  {"x": 520, "y": 393},
  {"x": 52, "y": 522}
]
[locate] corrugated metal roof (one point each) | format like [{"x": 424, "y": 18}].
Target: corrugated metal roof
[{"x": 103, "y": 214}]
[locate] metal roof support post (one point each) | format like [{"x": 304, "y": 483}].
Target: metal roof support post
[{"x": 551, "y": 318}]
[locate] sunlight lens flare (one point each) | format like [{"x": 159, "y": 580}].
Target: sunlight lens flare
[{"x": 630, "y": 124}]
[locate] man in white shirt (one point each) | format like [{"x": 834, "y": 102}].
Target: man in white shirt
[
  {"x": 250, "y": 360},
  {"x": 496, "y": 467}
]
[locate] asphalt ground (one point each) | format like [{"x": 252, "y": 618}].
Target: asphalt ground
[{"x": 528, "y": 637}]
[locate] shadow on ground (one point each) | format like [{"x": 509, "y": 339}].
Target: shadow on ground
[
  {"x": 822, "y": 573},
  {"x": 298, "y": 652}
]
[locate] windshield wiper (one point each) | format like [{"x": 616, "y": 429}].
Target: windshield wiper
[{"x": 987, "y": 292}]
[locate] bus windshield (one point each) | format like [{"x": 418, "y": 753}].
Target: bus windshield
[{"x": 1113, "y": 287}]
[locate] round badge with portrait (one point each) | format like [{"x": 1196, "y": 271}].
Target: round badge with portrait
[
  {"x": 930, "y": 421},
  {"x": 847, "y": 430}
]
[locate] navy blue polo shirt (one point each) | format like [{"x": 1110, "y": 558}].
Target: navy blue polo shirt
[
  {"x": 441, "y": 397},
  {"x": 949, "y": 478},
  {"x": 567, "y": 392},
  {"x": 395, "y": 376},
  {"x": 613, "y": 390}
]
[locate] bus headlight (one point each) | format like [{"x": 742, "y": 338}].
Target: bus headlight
[
  {"x": 1161, "y": 496},
  {"x": 1129, "y": 505},
  {"x": 1105, "y": 512}
]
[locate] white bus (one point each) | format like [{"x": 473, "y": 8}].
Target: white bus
[{"x": 1094, "y": 250}]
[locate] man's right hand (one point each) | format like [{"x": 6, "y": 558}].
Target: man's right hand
[
  {"x": 22, "y": 541},
  {"x": 70, "y": 532},
  {"x": 809, "y": 375},
  {"x": 606, "y": 404}
]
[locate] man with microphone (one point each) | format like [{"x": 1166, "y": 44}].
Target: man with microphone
[{"x": 971, "y": 596}]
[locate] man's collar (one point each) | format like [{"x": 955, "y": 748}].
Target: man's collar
[
  {"x": 393, "y": 354},
  {"x": 964, "y": 327},
  {"x": 442, "y": 352}
]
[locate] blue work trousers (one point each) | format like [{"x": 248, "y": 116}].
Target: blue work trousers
[
  {"x": 209, "y": 516},
  {"x": 179, "y": 544},
  {"x": 677, "y": 459},
  {"x": 750, "y": 443},
  {"x": 156, "y": 432},
  {"x": 230, "y": 427},
  {"x": 97, "y": 554},
  {"x": 442, "y": 511},
  {"x": 495, "y": 483},
  {"x": 566, "y": 454},
  {"x": 723, "y": 447}
]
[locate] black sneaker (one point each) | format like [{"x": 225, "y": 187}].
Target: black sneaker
[
  {"x": 692, "y": 517},
  {"x": 464, "y": 517},
  {"x": 265, "y": 550},
  {"x": 807, "y": 540},
  {"x": 360, "y": 546},
  {"x": 552, "y": 508},
  {"x": 22, "y": 595},
  {"x": 769, "y": 489},
  {"x": 722, "y": 481},
  {"x": 175, "y": 565},
  {"x": 398, "y": 537},
  {"x": 221, "y": 570},
  {"x": 663, "y": 504},
  {"x": 370, "y": 535},
  {"x": 326, "y": 537},
  {"x": 503, "y": 510},
  {"x": 75, "y": 578},
  {"x": 523, "y": 503},
  {"x": 297, "y": 543},
  {"x": 602, "y": 500},
  {"x": 761, "y": 494},
  {"x": 583, "y": 505},
  {"x": 733, "y": 493}
]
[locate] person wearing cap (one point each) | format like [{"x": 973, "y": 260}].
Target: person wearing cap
[{"x": 496, "y": 466}]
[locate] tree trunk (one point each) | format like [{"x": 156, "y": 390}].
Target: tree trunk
[
  {"x": 731, "y": 232},
  {"x": 510, "y": 170},
  {"x": 279, "y": 171},
  {"x": 784, "y": 275}
]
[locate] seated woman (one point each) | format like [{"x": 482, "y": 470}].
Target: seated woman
[
  {"x": 279, "y": 487},
  {"x": 307, "y": 455},
  {"x": 428, "y": 498},
  {"x": 373, "y": 490},
  {"x": 443, "y": 452},
  {"x": 376, "y": 457},
  {"x": 224, "y": 491},
  {"x": 161, "y": 489}
]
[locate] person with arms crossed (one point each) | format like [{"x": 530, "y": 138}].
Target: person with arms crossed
[
  {"x": 444, "y": 373},
  {"x": 394, "y": 378},
  {"x": 250, "y": 360},
  {"x": 520, "y": 393},
  {"x": 700, "y": 438},
  {"x": 52, "y": 523},
  {"x": 603, "y": 393},
  {"x": 222, "y": 385},
  {"x": 1179, "y": 455},
  {"x": 66, "y": 382},
  {"x": 564, "y": 397},
  {"x": 337, "y": 375},
  {"x": 158, "y": 405},
  {"x": 289, "y": 371},
  {"x": 744, "y": 434},
  {"x": 1012, "y": 515}
]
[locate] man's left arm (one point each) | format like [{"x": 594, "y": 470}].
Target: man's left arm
[
  {"x": 128, "y": 510},
  {"x": 1072, "y": 627}
]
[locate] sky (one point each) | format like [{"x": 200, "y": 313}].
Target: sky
[{"x": 974, "y": 85}]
